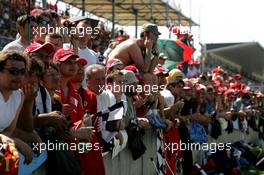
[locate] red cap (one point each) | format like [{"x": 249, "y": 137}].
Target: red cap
[
  {"x": 33, "y": 47},
  {"x": 230, "y": 78},
  {"x": 82, "y": 61},
  {"x": 217, "y": 70},
  {"x": 160, "y": 70},
  {"x": 112, "y": 63},
  {"x": 63, "y": 54},
  {"x": 200, "y": 87},
  {"x": 243, "y": 91},
  {"x": 190, "y": 62},
  {"x": 196, "y": 62},
  {"x": 131, "y": 68},
  {"x": 238, "y": 76},
  {"x": 233, "y": 86},
  {"x": 230, "y": 92},
  {"x": 36, "y": 11},
  {"x": 216, "y": 82}
]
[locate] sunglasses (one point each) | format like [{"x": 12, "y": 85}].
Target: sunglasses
[{"x": 16, "y": 72}]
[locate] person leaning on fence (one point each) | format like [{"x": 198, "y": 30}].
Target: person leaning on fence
[
  {"x": 95, "y": 78},
  {"x": 13, "y": 69},
  {"x": 72, "y": 106}
]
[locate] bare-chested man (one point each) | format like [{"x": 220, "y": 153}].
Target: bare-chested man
[{"x": 142, "y": 52}]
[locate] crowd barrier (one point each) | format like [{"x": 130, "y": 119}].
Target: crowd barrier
[{"x": 124, "y": 164}]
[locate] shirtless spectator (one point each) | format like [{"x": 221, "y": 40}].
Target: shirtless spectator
[{"x": 142, "y": 52}]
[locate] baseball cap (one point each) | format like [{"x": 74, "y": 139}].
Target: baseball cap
[
  {"x": 163, "y": 56},
  {"x": 82, "y": 61},
  {"x": 129, "y": 77},
  {"x": 112, "y": 63},
  {"x": 149, "y": 27},
  {"x": 196, "y": 62},
  {"x": 200, "y": 87},
  {"x": 238, "y": 76},
  {"x": 63, "y": 54},
  {"x": 33, "y": 47},
  {"x": 160, "y": 70},
  {"x": 230, "y": 92},
  {"x": 131, "y": 68},
  {"x": 174, "y": 74},
  {"x": 36, "y": 11}
]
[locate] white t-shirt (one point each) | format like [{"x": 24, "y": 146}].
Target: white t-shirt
[
  {"x": 90, "y": 55},
  {"x": 168, "y": 98},
  {"x": 15, "y": 45},
  {"x": 103, "y": 101},
  {"x": 9, "y": 108},
  {"x": 39, "y": 103}
]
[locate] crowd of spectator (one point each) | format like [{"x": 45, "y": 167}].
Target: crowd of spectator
[{"x": 54, "y": 88}]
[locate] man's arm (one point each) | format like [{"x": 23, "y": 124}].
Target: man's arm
[
  {"x": 155, "y": 59},
  {"x": 143, "y": 64},
  {"x": 26, "y": 113},
  {"x": 27, "y": 137},
  {"x": 153, "y": 64}
]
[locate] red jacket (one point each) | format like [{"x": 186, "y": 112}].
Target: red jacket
[
  {"x": 74, "y": 100},
  {"x": 93, "y": 161}
]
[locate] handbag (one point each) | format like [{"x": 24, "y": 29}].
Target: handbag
[
  {"x": 135, "y": 142},
  {"x": 62, "y": 162}
]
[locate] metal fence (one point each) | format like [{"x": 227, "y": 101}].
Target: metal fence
[{"x": 123, "y": 164}]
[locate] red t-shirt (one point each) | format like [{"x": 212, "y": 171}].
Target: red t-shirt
[{"x": 74, "y": 100}]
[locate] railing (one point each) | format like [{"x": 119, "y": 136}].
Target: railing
[{"x": 123, "y": 164}]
